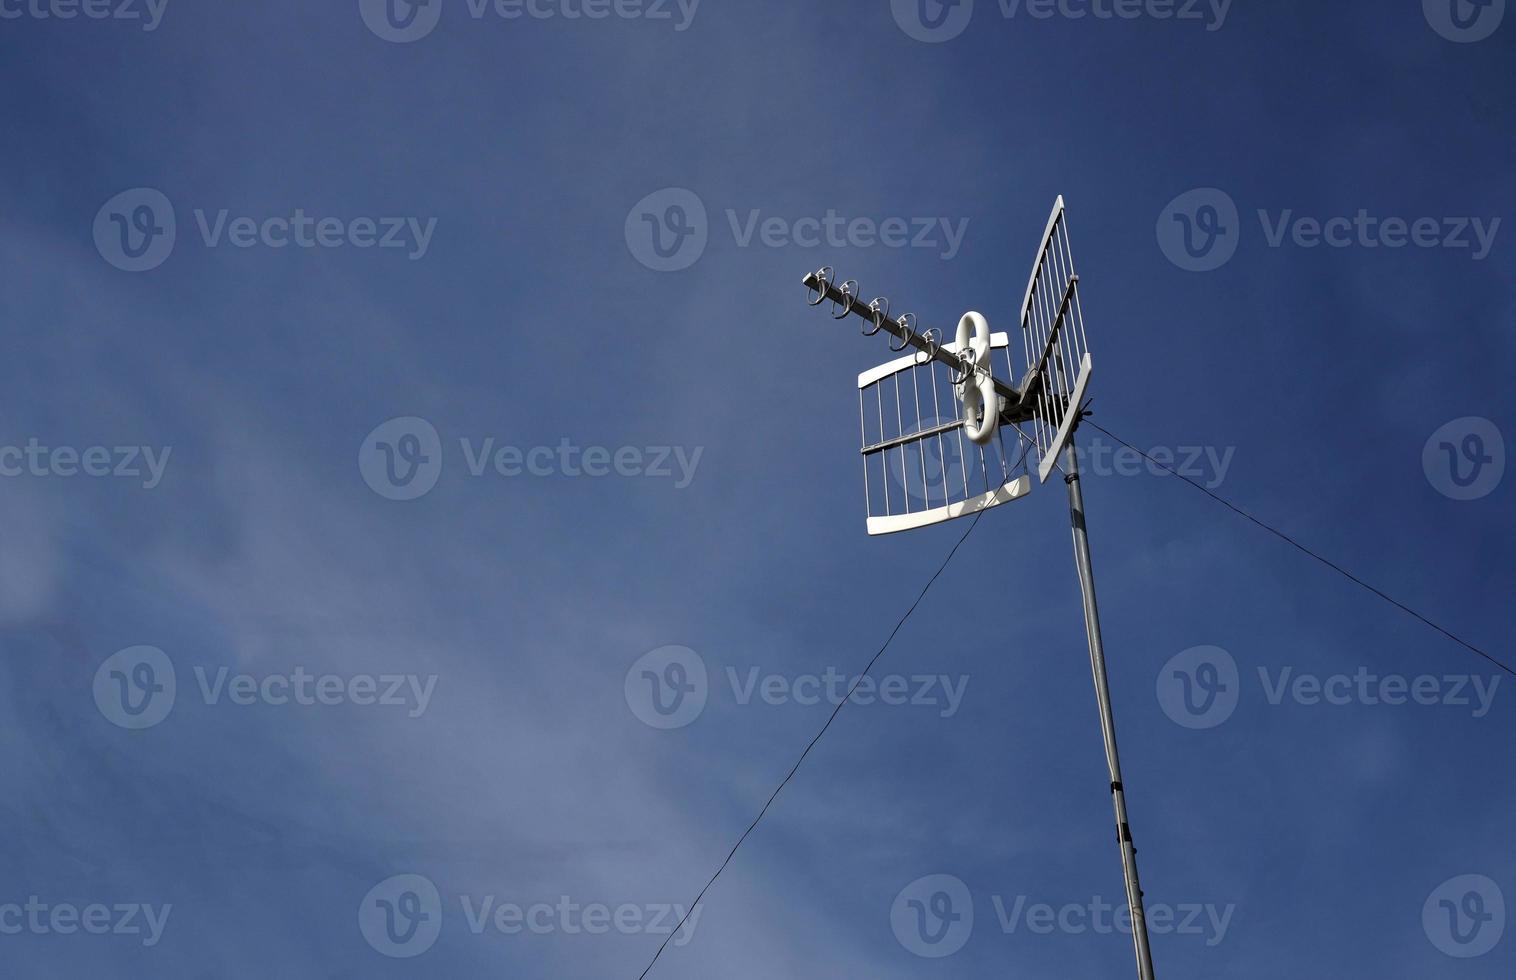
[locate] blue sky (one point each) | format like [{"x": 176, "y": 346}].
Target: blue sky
[{"x": 367, "y": 688}]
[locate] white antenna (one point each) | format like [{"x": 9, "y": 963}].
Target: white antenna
[
  {"x": 1052, "y": 329},
  {"x": 922, "y": 468},
  {"x": 931, "y": 421}
]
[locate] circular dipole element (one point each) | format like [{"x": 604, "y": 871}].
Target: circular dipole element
[{"x": 981, "y": 414}]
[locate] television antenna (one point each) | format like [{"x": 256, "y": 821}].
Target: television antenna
[{"x": 961, "y": 460}]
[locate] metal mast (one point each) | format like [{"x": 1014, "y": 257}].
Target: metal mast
[{"x": 1107, "y": 718}]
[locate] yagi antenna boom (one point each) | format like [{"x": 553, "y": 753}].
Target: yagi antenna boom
[{"x": 823, "y": 284}]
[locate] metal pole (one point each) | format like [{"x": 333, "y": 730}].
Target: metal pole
[{"x": 1107, "y": 721}]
